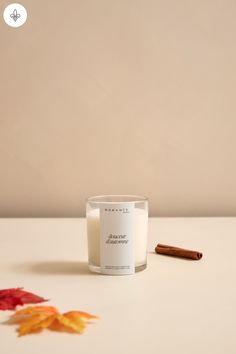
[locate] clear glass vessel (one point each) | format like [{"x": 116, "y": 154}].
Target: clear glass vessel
[{"x": 117, "y": 230}]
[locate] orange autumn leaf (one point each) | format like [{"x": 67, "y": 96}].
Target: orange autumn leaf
[
  {"x": 33, "y": 310},
  {"x": 69, "y": 324},
  {"x": 36, "y": 318},
  {"x": 84, "y": 315}
]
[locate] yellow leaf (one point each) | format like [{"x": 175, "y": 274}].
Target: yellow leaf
[
  {"x": 35, "y": 324},
  {"x": 36, "y": 318},
  {"x": 33, "y": 310},
  {"x": 73, "y": 324},
  {"x": 83, "y": 315}
]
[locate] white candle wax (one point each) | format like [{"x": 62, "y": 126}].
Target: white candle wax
[{"x": 140, "y": 236}]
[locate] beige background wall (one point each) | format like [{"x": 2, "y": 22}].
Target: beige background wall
[{"x": 122, "y": 96}]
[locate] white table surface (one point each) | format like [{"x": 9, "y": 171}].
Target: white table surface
[{"x": 174, "y": 306}]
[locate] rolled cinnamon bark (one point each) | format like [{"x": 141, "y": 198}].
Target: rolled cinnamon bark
[{"x": 178, "y": 252}]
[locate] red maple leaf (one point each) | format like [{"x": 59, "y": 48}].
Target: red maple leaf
[{"x": 10, "y": 298}]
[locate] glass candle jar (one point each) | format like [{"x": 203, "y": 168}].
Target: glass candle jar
[{"x": 117, "y": 229}]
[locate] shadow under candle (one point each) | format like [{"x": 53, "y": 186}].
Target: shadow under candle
[{"x": 54, "y": 268}]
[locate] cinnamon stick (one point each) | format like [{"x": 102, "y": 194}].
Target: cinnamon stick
[{"x": 178, "y": 252}]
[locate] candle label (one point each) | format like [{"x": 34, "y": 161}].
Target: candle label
[{"x": 116, "y": 238}]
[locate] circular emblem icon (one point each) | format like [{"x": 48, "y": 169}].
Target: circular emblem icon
[{"x": 15, "y": 15}]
